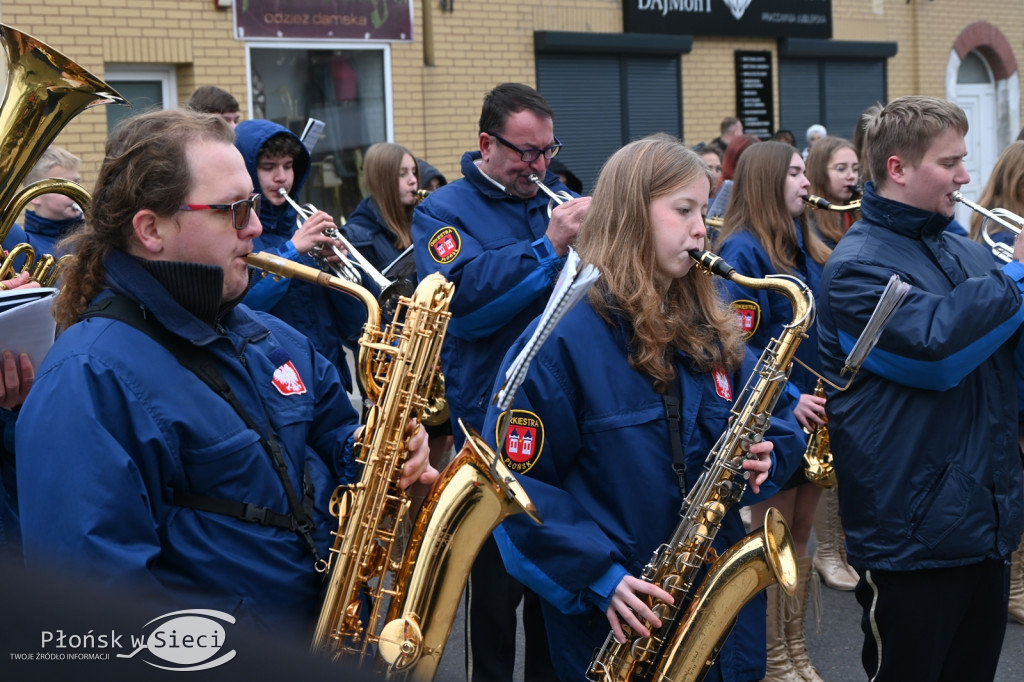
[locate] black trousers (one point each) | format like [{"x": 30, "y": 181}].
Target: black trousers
[
  {"x": 943, "y": 624},
  {"x": 491, "y": 601}
]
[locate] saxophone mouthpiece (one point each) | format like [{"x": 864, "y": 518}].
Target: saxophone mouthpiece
[
  {"x": 817, "y": 202},
  {"x": 713, "y": 263}
]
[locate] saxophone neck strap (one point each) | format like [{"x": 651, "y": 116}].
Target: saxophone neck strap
[
  {"x": 195, "y": 359},
  {"x": 674, "y": 417}
]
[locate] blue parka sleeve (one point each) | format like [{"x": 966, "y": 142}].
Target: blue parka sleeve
[{"x": 933, "y": 341}]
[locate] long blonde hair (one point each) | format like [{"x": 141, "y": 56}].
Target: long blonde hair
[
  {"x": 1005, "y": 188},
  {"x": 616, "y": 237},
  {"x": 382, "y": 165},
  {"x": 757, "y": 206}
]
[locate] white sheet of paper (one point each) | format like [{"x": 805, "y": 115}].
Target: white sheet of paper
[{"x": 26, "y": 322}]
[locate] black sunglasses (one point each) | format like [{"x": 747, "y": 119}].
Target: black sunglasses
[
  {"x": 240, "y": 210},
  {"x": 531, "y": 155}
]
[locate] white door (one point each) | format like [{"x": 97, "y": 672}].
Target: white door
[{"x": 978, "y": 100}]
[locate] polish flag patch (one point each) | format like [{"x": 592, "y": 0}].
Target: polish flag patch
[
  {"x": 287, "y": 380},
  {"x": 722, "y": 386}
]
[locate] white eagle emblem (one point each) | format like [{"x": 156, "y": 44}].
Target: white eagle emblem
[{"x": 287, "y": 380}]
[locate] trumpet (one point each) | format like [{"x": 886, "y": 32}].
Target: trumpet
[
  {"x": 826, "y": 205},
  {"x": 556, "y": 198},
  {"x": 1008, "y": 220},
  {"x": 344, "y": 268}
]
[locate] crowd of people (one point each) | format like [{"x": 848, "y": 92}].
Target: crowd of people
[{"x": 205, "y": 416}]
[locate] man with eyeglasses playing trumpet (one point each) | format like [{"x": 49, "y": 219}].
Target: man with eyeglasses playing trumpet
[
  {"x": 277, "y": 160},
  {"x": 495, "y": 236},
  {"x": 175, "y": 441}
]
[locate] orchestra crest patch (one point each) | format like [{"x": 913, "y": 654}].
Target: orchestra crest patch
[
  {"x": 748, "y": 316},
  {"x": 445, "y": 245},
  {"x": 524, "y": 439}
]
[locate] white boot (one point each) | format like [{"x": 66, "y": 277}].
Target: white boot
[
  {"x": 780, "y": 665},
  {"x": 794, "y": 625},
  {"x": 830, "y": 554},
  {"x": 1017, "y": 584}
]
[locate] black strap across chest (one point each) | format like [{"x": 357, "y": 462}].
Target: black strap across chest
[{"x": 299, "y": 519}]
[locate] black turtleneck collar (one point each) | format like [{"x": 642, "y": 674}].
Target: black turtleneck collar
[{"x": 195, "y": 287}]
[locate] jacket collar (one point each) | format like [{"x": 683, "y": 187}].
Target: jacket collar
[
  {"x": 35, "y": 224},
  {"x": 128, "y": 275},
  {"x": 899, "y": 217}
]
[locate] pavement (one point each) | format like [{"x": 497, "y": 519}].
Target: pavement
[{"x": 835, "y": 650}]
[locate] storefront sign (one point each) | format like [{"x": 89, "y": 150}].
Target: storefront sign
[
  {"x": 754, "y": 92},
  {"x": 324, "y": 19},
  {"x": 764, "y": 18}
]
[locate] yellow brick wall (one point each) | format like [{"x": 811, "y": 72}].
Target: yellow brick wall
[
  {"x": 479, "y": 44},
  {"x": 189, "y": 34}
]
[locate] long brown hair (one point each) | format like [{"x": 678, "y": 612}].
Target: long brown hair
[
  {"x": 830, "y": 224},
  {"x": 382, "y": 164},
  {"x": 1005, "y": 188},
  {"x": 758, "y": 206},
  {"x": 145, "y": 167},
  {"x": 616, "y": 237}
]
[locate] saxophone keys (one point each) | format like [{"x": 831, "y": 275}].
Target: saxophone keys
[{"x": 400, "y": 644}]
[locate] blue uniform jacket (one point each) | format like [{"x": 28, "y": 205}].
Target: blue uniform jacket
[
  {"x": 761, "y": 313},
  {"x": 114, "y": 425},
  {"x": 329, "y": 318},
  {"x": 602, "y": 479},
  {"x": 369, "y": 233},
  {"x": 493, "y": 248},
  {"x": 43, "y": 233},
  {"x": 925, "y": 440}
]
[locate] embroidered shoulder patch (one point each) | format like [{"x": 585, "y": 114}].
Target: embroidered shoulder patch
[
  {"x": 524, "y": 440},
  {"x": 748, "y": 316},
  {"x": 722, "y": 386},
  {"x": 445, "y": 245},
  {"x": 287, "y": 380}
]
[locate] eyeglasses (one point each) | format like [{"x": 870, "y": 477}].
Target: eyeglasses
[
  {"x": 842, "y": 168},
  {"x": 240, "y": 210},
  {"x": 530, "y": 155}
]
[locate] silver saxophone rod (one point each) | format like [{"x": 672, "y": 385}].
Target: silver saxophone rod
[{"x": 349, "y": 271}]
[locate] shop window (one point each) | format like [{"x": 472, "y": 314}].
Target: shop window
[
  {"x": 145, "y": 86},
  {"x": 348, "y": 90}
]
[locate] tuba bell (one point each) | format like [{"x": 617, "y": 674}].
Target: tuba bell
[{"x": 44, "y": 91}]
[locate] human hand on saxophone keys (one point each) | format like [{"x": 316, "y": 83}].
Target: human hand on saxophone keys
[
  {"x": 758, "y": 463},
  {"x": 810, "y": 411},
  {"x": 627, "y": 606},
  {"x": 417, "y": 467}
]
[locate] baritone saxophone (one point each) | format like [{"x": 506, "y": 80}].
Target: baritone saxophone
[
  {"x": 694, "y": 628},
  {"x": 385, "y": 607}
]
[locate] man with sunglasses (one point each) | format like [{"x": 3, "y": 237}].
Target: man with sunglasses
[
  {"x": 494, "y": 236},
  {"x": 174, "y": 440}
]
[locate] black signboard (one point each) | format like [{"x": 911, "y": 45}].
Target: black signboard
[
  {"x": 754, "y": 103},
  {"x": 764, "y": 18}
]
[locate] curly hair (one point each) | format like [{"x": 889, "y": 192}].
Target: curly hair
[{"x": 145, "y": 167}]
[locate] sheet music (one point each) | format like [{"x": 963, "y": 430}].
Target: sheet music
[
  {"x": 26, "y": 322},
  {"x": 311, "y": 134},
  {"x": 893, "y": 295},
  {"x": 573, "y": 282}
]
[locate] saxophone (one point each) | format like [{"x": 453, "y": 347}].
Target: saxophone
[
  {"x": 818, "y": 466},
  {"x": 694, "y": 628},
  {"x": 383, "y": 607}
]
